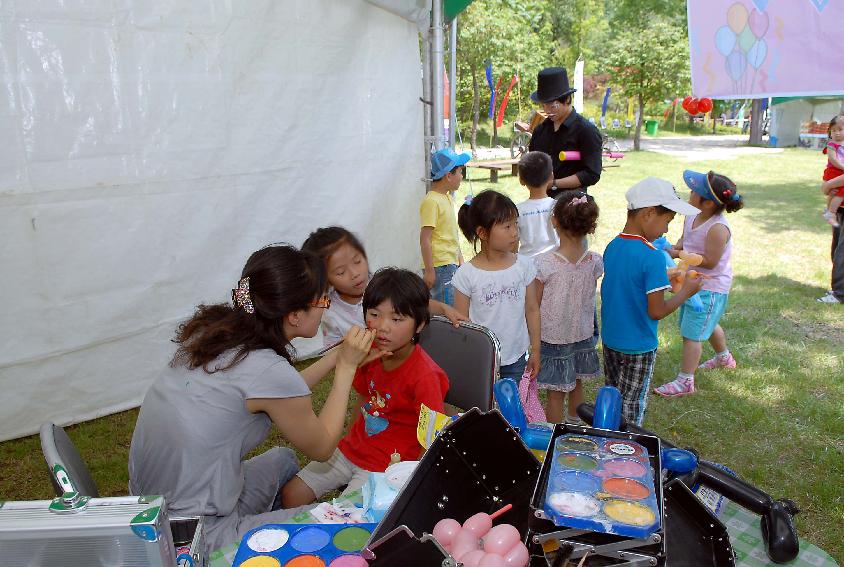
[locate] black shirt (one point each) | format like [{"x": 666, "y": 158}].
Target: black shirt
[{"x": 575, "y": 133}]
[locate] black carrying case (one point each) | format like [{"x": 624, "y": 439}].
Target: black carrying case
[
  {"x": 694, "y": 536},
  {"x": 477, "y": 464}
]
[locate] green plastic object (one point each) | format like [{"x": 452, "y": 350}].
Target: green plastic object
[
  {"x": 454, "y": 7},
  {"x": 651, "y": 127}
]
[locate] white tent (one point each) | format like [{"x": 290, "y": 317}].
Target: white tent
[
  {"x": 149, "y": 147},
  {"x": 788, "y": 115}
]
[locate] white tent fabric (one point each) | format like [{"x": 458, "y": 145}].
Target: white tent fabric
[{"x": 150, "y": 147}]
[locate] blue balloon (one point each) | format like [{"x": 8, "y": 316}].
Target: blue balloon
[
  {"x": 756, "y": 55},
  {"x": 736, "y": 63},
  {"x": 507, "y": 396},
  {"x": 725, "y": 40}
]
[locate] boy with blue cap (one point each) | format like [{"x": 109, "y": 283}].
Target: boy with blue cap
[{"x": 438, "y": 238}]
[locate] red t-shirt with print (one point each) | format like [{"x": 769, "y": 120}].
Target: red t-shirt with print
[{"x": 390, "y": 409}]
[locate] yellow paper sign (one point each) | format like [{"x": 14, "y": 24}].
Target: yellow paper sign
[{"x": 431, "y": 422}]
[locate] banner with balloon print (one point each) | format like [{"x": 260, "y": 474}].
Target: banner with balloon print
[{"x": 758, "y": 48}]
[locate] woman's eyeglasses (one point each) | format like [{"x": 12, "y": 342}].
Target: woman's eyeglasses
[{"x": 323, "y": 302}]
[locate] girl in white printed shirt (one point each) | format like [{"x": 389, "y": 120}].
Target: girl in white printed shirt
[{"x": 497, "y": 287}]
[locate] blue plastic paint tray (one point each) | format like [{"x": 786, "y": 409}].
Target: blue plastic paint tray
[
  {"x": 602, "y": 485},
  {"x": 304, "y": 545}
]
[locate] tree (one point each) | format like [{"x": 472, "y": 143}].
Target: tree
[
  {"x": 516, "y": 38},
  {"x": 581, "y": 28},
  {"x": 650, "y": 65},
  {"x": 636, "y": 14}
]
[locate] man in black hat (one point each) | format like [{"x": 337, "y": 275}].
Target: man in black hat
[{"x": 565, "y": 130}]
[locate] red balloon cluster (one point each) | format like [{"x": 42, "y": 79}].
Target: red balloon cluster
[{"x": 697, "y": 105}]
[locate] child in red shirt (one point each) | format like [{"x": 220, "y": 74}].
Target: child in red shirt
[
  {"x": 390, "y": 391},
  {"x": 834, "y": 168}
]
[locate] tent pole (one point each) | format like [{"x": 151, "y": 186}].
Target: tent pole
[
  {"x": 452, "y": 78},
  {"x": 437, "y": 70},
  {"x": 426, "y": 104}
]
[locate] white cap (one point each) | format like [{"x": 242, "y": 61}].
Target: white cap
[{"x": 652, "y": 192}]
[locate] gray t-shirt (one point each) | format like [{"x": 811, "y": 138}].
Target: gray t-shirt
[{"x": 194, "y": 430}]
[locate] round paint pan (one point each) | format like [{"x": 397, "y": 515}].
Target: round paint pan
[
  {"x": 574, "y": 504},
  {"x": 624, "y": 467},
  {"x": 268, "y": 540},
  {"x": 351, "y": 539},
  {"x": 310, "y": 539},
  {"x": 630, "y": 513},
  {"x": 261, "y": 561},
  {"x": 576, "y": 481},
  {"x": 305, "y": 561},
  {"x": 349, "y": 560},
  {"x": 626, "y": 488},
  {"x": 576, "y": 443},
  {"x": 577, "y": 461}
]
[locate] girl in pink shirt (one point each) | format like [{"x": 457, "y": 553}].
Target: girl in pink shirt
[
  {"x": 708, "y": 234},
  {"x": 566, "y": 279}
]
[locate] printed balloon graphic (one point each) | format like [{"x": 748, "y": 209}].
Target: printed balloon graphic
[
  {"x": 737, "y": 17},
  {"x": 746, "y": 39},
  {"x": 756, "y": 55},
  {"x": 725, "y": 40},
  {"x": 736, "y": 63},
  {"x": 758, "y": 22}
]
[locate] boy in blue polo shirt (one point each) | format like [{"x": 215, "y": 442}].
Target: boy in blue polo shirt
[{"x": 632, "y": 293}]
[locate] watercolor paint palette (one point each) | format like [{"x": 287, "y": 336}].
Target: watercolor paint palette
[
  {"x": 603, "y": 485},
  {"x": 304, "y": 545}
]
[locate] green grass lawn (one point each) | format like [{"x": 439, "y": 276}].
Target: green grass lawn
[{"x": 777, "y": 420}]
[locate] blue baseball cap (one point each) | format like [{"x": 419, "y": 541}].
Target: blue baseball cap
[{"x": 444, "y": 160}]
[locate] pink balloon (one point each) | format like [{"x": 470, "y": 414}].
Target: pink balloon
[
  {"x": 492, "y": 560},
  {"x": 464, "y": 542},
  {"x": 460, "y": 550},
  {"x": 501, "y": 539},
  {"x": 473, "y": 558},
  {"x": 479, "y": 524},
  {"x": 758, "y": 22},
  {"x": 518, "y": 556},
  {"x": 445, "y": 531}
]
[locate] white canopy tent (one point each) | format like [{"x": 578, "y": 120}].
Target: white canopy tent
[{"x": 150, "y": 147}]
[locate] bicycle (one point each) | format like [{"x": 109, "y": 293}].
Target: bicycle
[
  {"x": 522, "y": 131},
  {"x": 610, "y": 150}
]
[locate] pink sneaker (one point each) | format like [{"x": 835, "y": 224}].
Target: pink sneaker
[
  {"x": 719, "y": 362},
  {"x": 676, "y": 388}
]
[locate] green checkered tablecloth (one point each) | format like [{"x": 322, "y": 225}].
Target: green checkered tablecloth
[
  {"x": 746, "y": 537},
  {"x": 742, "y": 525}
]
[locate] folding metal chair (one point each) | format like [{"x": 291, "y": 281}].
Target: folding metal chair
[
  {"x": 67, "y": 469},
  {"x": 470, "y": 356}
]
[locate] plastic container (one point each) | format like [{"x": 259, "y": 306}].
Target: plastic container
[
  {"x": 381, "y": 489},
  {"x": 651, "y": 127},
  {"x": 602, "y": 484}
]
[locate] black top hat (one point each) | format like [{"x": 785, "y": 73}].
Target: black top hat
[{"x": 551, "y": 83}]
